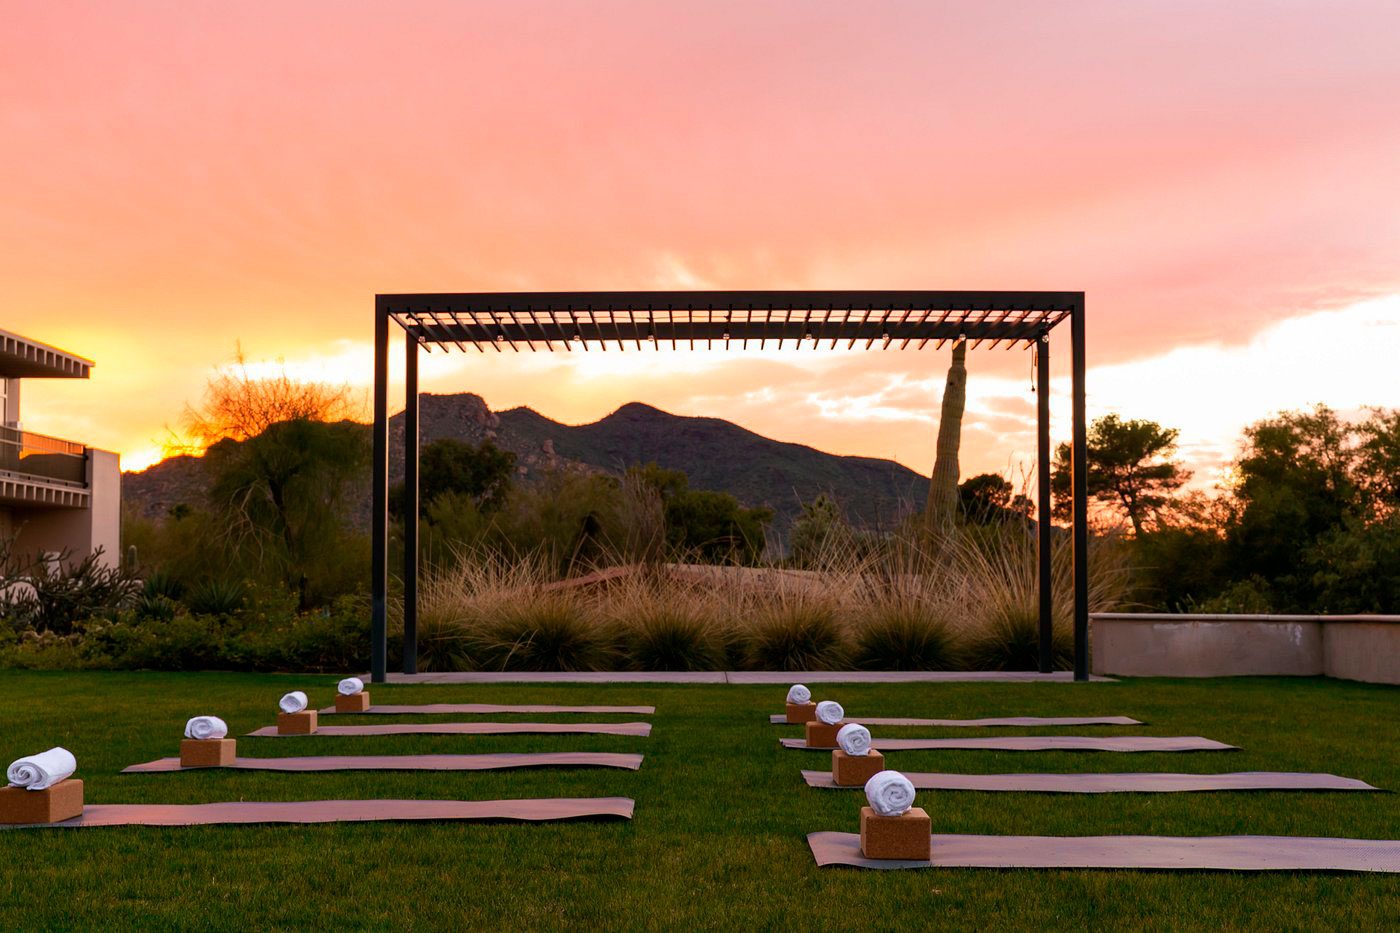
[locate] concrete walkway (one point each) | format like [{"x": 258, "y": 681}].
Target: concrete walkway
[{"x": 739, "y": 677}]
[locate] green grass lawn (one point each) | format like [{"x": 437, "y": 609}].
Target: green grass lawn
[{"x": 718, "y": 837}]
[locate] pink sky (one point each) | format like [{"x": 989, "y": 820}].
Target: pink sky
[{"x": 1223, "y": 180}]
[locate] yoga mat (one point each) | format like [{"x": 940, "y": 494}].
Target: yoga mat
[
  {"x": 479, "y": 728},
  {"x": 1215, "y": 853},
  {"x": 1142, "y": 783},
  {"x": 781, "y": 719},
  {"x": 341, "y": 811},
  {"x": 469, "y": 708},
  {"x": 411, "y": 762},
  {"x": 1045, "y": 743}
]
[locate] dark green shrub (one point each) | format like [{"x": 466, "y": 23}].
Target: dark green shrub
[
  {"x": 444, "y": 643},
  {"x": 59, "y": 593},
  {"x": 796, "y": 635},
  {"x": 161, "y": 583},
  {"x": 216, "y": 597},
  {"x": 333, "y": 640},
  {"x": 666, "y": 638},
  {"x": 900, "y": 635},
  {"x": 544, "y": 634},
  {"x": 155, "y": 608},
  {"x": 1007, "y": 638}
]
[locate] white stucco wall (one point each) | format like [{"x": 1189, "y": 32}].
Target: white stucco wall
[{"x": 1160, "y": 645}]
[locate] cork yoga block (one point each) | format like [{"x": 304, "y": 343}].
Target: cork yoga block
[
  {"x": 63, "y": 801},
  {"x": 207, "y": 753},
  {"x": 302, "y": 723},
  {"x": 354, "y": 703},
  {"x": 855, "y": 770},
  {"x": 798, "y": 713},
  {"x": 905, "y": 837},
  {"x": 820, "y": 735}
]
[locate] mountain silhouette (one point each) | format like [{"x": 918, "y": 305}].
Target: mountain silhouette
[{"x": 715, "y": 454}]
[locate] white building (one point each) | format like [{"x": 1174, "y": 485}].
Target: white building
[{"x": 55, "y": 495}]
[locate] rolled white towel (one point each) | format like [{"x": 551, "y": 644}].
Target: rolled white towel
[
  {"x": 854, "y": 739},
  {"x": 890, "y": 793},
  {"x": 293, "y": 702},
  {"x": 798, "y": 693},
  {"x": 350, "y": 686},
  {"x": 42, "y": 771},
  {"x": 206, "y": 727},
  {"x": 830, "y": 712}
]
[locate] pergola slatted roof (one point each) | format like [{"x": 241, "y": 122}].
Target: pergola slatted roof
[{"x": 566, "y": 319}]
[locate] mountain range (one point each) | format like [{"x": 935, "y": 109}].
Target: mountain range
[{"x": 715, "y": 454}]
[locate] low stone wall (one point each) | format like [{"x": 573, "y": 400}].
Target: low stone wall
[{"x": 1204, "y": 645}]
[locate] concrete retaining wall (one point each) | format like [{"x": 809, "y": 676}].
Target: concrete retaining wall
[{"x": 1178, "y": 645}]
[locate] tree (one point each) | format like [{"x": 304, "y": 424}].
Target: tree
[
  {"x": 1132, "y": 469},
  {"x": 238, "y": 405},
  {"x": 1378, "y": 461},
  {"x": 988, "y": 497},
  {"x": 820, "y": 528},
  {"x": 481, "y": 473},
  {"x": 1293, "y": 485},
  {"x": 281, "y": 497},
  {"x": 942, "y": 504},
  {"x": 714, "y": 526},
  {"x": 711, "y": 525}
]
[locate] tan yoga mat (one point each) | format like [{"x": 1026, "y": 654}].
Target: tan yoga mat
[
  {"x": 491, "y": 708},
  {"x": 1045, "y": 743},
  {"x": 411, "y": 762},
  {"x": 479, "y": 728},
  {"x": 1137, "y": 783},
  {"x": 1209, "y": 853},
  {"x": 342, "y": 811},
  {"x": 1026, "y": 721}
]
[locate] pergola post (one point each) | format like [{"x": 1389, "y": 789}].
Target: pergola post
[
  {"x": 1081, "y": 495},
  {"x": 379, "y": 500},
  {"x": 1044, "y": 530},
  {"x": 410, "y": 504}
]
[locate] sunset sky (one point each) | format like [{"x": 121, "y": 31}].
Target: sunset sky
[{"x": 1221, "y": 179}]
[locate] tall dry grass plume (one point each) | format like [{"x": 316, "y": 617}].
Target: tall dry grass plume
[{"x": 965, "y": 599}]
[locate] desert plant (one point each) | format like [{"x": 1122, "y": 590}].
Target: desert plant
[
  {"x": 994, "y": 569},
  {"x": 161, "y": 582},
  {"x": 216, "y": 597},
  {"x": 544, "y": 632},
  {"x": 155, "y": 608},
  {"x": 664, "y": 625},
  {"x": 1007, "y": 638},
  {"x": 902, "y": 634},
  {"x": 58, "y": 592},
  {"x": 796, "y": 631},
  {"x": 442, "y": 638}
]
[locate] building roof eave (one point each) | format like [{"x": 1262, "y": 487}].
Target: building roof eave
[{"x": 23, "y": 358}]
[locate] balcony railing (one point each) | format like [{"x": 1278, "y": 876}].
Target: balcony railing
[{"x": 48, "y": 458}]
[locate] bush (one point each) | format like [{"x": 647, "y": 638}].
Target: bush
[
  {"x": 58, "y": 593},
  {"x": 905, "y": 635},
  {"x": 443, "y": 643},
  {"x": 545, "y": 633},
  {"x": 331, "y": 640},
  {"x": 673, "y": 638},
  {"x": 216, "y": 597},
  {"x": 1006, "y": 637},
  {"x": 796, "y": 633}
]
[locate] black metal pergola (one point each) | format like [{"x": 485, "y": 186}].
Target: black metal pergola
[{"x": 578, "y": 321}]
